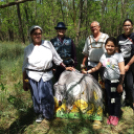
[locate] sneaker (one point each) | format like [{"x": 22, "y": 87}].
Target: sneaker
[
  {"x": 39, "y": 118},
  {"x": 115, "y": 121},
  {"x": 110, "y": 118}
]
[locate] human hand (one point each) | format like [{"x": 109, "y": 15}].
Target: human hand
[
  {"x": 25, "y": 87},
  {"x": 89, "y": 71},
  {"x": 26, "y": 84},
  {"x": 70, "y": 68},
  {"x": 84, "y": 72},
  {"x": 120, "y": 88},
  {"x": 127, "y": 68}
]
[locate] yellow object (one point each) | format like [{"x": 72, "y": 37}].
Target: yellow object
[
  {"x": 97, "y": 124},
  {"x": 26, "y": 80},
  {"x": 95, "y": 95},
  {"x": 62, "y": 107},
  {"x": 56, "y": 103},
  {"x": 99, "y": 111},
  {"x": 91, "y": 111}
]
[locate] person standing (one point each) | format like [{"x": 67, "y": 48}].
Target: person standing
[
  {"x": 94, "y": 48},
  {"x": 126, "y": 44},
  {"x": 37, "y": 68},
  {"x": 65, "y": 48},
  {"x": 114, "y": 77}
]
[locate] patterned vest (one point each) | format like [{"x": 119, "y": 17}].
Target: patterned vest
[{"x": 63, "y": 49}]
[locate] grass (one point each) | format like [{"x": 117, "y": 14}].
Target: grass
[{"x": 16, "y": 111}]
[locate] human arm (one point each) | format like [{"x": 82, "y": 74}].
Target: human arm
[
  {"x": 25, "y": 85},
  {"x": 85, "y": 52},
  {"x": 99, "y": 65},
  {"x": 122, "y": 76},
  {"x": 129, "y": 64}
]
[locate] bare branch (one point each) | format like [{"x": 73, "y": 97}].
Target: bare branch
[{"x": 14, "y": 3}]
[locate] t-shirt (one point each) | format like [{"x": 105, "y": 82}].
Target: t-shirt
[
  {"x": 126, "y": 46},
  {"x": 110, "y": 62},
  {"x": 94, "y": 50}
]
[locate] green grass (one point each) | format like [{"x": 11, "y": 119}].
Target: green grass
[{"x": 16, "y": 112}]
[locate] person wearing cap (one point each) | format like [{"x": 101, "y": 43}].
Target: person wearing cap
[
  {"x": 65, "y": 48},
  {"x": 37, "y": 67}
]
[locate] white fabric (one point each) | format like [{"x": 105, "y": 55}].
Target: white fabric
[
  {"x": 126, "y": 48},
  {"x": 110, "y": 62},
  {"x": 94, "y": 50},
  {"x": 39, "y": 58}
]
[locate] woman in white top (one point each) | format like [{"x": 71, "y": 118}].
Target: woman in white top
[{"x": 38, "y": 58}]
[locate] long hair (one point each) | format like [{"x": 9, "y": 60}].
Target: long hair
[{"x": 114, "y": 40}]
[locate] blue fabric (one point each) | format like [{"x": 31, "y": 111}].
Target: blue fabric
[{"x": 42, "y": 96}]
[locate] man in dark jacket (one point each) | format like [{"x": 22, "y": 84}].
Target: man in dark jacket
[{"x": 65, "y": 48}]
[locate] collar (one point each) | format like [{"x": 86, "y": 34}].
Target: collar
[{"x": 44, "y": 43}]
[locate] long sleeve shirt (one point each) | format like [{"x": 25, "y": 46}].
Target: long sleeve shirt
[{"x": 40, "y": 58}]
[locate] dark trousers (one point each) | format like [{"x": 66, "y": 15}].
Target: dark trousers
[
  {"x": 113, "y": 97},
  {"x": 96, "y": 74},
  {"x": 59, "y": 71},
  {"x": 42, "y": 96},
  {"x": 129, "y": 86}
]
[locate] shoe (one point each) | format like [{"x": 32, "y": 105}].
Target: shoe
[
  {"x": 39, "y": 118},
  {"x": 115, "y": 121},
  {"x": 110, "y": 118}
]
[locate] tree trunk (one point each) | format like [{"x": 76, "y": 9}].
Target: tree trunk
[
  {"x": 20, "y": 24},
  {"x": 79, "y": 22}
]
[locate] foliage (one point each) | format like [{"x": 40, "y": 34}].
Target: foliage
[
  {"x": 16, "y": 111},
  {"x": 77, "y": 15}
]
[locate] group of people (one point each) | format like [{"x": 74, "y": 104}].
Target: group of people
[{"x": 108, "y": 57}]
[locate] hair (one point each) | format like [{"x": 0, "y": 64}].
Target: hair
[
  {"x": 96, "y": 22},
  {"x": 114, "y": 40},
  {"x": 32, "y": 31},
  {"x": 128, "y": 20}
]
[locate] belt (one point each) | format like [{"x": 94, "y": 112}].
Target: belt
[
  {"x": 66, "y": 58},
  {"x": 46, "y": 70}
]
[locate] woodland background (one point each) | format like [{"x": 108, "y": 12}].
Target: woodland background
[
  {"x": 76, "y": 14},
  {"x": 16, "y": 109}
]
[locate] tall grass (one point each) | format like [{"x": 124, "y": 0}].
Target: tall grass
[{"x": 16, "y": 113}]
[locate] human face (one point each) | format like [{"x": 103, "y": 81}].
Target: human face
[
  {"x": 110, "y": 48},
  {"x": 95, "y": 28},
  {"x": 61, "y": 32},
  {"x": 36, "y": 36},
  {"x": 127, "y": 27}
]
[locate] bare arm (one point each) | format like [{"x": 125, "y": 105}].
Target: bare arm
[
  {"x": 129, "y": 64},
  {"x": 99, "y": 65},
  {"x": 24, "y": 76},
  {"x": 122, "y": 76},
  {"x": 84, "y": 60},
  {"x": 122, "y": 68}
]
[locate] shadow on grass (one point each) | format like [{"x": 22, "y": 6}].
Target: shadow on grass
[
  {"x": 24, "y": 113},
  {"x": 19, "y": 125}
]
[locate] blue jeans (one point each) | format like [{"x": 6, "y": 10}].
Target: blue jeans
[{"x": 42, "y": 96}]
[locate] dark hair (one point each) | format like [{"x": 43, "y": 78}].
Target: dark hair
[
  {"x": 114, "y": 40},
  {"x": 34, "y": 30},
  {"x": 128, "y": 20}
]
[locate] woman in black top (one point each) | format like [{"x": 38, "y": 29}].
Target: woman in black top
[{"x": 126, "y": 44}]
